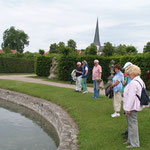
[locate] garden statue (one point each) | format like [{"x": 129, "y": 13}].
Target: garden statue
[
  {"x": 111, "y": 66},
  {"x": 53, "y": 69}
]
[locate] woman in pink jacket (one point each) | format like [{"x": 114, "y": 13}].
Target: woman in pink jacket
[{"x": 131, "y": 104}]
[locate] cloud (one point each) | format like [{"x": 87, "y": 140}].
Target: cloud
[{"x": 49, "y": 21}]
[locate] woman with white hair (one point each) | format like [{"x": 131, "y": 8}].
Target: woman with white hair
[
  {"x": 78, "y": 77},
  {"x": 131, "y": 104},
  {"x": 96, "y": 77}
]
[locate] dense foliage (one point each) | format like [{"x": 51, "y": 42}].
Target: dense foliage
[
  {"x": 67, "y": 63},
  {"x": 16, "y": 65},
  {"x": 15, "y": 39},
  {"x": 147, "y": 47},
  {"x": 42, "y": 65}
]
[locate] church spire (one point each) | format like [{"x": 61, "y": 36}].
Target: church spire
[{"x": 96, "y": 38}]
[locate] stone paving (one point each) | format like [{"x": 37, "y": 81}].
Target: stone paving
[{"x": 26, "y": 78}]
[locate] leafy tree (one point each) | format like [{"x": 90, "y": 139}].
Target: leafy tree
[
  {"x": 108, "y": 49},
  {"x": 71, "y": 43},
  {"x": 67, "y": 50},
  {"x": 41, "y": 51},
  {"x": 131, "y": 50},
  {"x": 146, "y": 47},
  {"x": 120, "y": 50},
  {"x": 61, "y": 45},
  {"x": 15, "y": 39},
  {"x": 91, "y": 50},
  {"x": 54, "y": 48}
]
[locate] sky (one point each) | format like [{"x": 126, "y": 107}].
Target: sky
[{"x": 53, "y": 21}]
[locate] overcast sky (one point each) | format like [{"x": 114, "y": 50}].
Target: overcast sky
[{"x": 52, "y": 21}]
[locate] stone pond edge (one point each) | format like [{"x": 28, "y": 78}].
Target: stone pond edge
[{"x": 65, "y": 126}]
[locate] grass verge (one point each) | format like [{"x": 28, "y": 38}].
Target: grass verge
[
  {"x": 98, "y": 131},
  {"x": 58, "y": 81}
]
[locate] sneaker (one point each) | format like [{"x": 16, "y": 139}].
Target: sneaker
[
  {"x": 77, "y": 91},
  {"x": 115, "y": 115},
  {"x": 85, "y": 92}
]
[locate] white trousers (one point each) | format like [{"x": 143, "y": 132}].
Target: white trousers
[
  {"x": 78, "y": 83},
  {"x": 117, "y": 101}
]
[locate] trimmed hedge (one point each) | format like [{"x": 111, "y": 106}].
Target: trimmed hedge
[
  {"x": 16, "y": 65},
  {"x": 42, "y": 65},
  {"x": 67, "y": 63}
]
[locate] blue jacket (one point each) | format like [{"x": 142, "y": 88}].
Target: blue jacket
[{"x": 83, "y": 74}]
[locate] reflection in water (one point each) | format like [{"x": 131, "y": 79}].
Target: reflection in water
[{"x": 23, "y": 129}]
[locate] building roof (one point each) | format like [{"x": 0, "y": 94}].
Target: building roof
[{"x": 13, "y": 51}]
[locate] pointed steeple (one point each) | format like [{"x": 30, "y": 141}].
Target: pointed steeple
[{"x": 96, "y": 38}]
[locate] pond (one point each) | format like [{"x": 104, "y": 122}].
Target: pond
[{"x": 23, "y": 129}]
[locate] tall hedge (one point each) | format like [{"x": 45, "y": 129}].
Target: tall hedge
[
  {"x": 42, "y": 65},
  {"x": 16, "y": 65},
  {"x": 67, "y": 63}
]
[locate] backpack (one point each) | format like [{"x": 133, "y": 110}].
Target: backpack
[{"x": 144, "y": 98}]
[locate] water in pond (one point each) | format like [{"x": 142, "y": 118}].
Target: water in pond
[{"x": 23, "y": 129}]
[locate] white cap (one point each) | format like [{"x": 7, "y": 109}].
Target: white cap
[{"x": 127, "y": 65}]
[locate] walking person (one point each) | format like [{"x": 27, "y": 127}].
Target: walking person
[
  {"x": 85, "y": 75},
  {"x": 117, "y": 85},
  {"x": 131, "y": 104},
  {"x": 78, "y": 77},
  {"x": 96, "y": 77}
]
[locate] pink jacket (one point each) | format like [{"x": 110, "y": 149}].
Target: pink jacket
[
  {"x": 130, "y": 100},
  {"x": 96, "y": 71}
]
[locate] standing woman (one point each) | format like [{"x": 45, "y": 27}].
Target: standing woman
[
  {"x": 85, "y": 75},
  {"x": 117, "y": 85},
  {"x": 131, "y": 104},
  {"x": 96, "y": 77},
  {"x": 78, "y": 77}
]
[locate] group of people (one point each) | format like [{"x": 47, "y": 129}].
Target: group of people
[
  {"x": 127, "y": 86},
  {"x": 82, "y": 73}
]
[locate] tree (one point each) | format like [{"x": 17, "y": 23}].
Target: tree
[
  {"x": 146, "y": 47},
  {"x": 61, "y": 46},
  {"x": 131, "y": 50},
  {"x": 41, "y": 51},
  {"x": 71, "y": 43},
  {"x": 108, "y": 49},
  {"x": 15, "y": 39},
  {"x": 91, "y": 50},
  {"x": 66, "y": 50},
  {"x": 120, "y": 50},
  {"x": 54, "y": 48}
]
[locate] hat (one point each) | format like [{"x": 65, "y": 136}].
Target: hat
[{"x": 127, "y": 65}]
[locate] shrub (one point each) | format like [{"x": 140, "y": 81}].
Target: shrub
[
  {"x": 16, "y": 65},
  {"x": 42, "y": 65}
]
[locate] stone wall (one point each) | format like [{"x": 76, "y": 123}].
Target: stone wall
[{"x": 63, "y": 123}]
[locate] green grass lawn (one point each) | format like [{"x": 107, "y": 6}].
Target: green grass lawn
[
  {"x": 56, "y": 80},
  {"x": 98, "y": 131}
]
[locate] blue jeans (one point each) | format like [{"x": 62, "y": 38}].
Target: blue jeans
[{"x": 96, "y": 88}]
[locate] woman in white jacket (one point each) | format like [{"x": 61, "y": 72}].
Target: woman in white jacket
[{"x": 131, "y": 104}]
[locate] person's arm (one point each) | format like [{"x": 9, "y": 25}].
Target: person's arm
[
  {"x": 115, "y": 84},
  {"x": 79, "y": 71}
]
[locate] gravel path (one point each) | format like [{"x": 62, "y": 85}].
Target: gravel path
[{"x": 26, "y": 78}]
